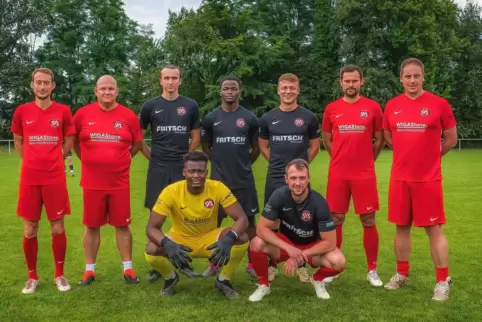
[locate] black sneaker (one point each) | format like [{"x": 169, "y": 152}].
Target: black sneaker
[
  {"x": 169, "y": 286},
  {"x": 189, "y": 272},
  {"x": 153, "y": 276},
  {"x": 226, "y": 288}
]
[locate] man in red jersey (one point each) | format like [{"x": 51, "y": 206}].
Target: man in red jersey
[
  {"x": 414, "y": 123},
  {"x": 39, "y": 128},
  {"x": 108, "y": 134},
  {"x": 349, "y": 126}
]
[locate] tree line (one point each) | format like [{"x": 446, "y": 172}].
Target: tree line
[{"x": 257, "y": 41}]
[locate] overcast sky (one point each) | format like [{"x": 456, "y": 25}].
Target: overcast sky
[{"x": 155, "y": 12}]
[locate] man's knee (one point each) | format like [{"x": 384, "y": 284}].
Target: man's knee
[
  {"x": 403, "y": 231},
  {"x": 57, "y": 226},
  {"x": 368, "y": 220},
  {"x": 257, "y": 244},
  {"x": 30, "y": 228},
  {"x": 339, "y": 219},
  {"x": 434, "y": 231},
  {"x": 338, "y": 260},
  {"x": 243, "y": 239}
]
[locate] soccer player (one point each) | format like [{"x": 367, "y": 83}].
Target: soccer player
[
  {"x": 286, "y": 133},
  {"x": 39, "y": 128},
  {"x": 71, "y": 164},
  {"x": 414, "y": 123},
  {"x": 193, "y": 204},
  {"x": 173, "y": 118},
  {"x": 307, "y": 233},
  {"x": 108, "y": 135},
  {"x": 230, "y": 139},
  {"x": 349, "y": 126}
]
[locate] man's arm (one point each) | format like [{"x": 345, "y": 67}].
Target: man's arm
[
  {"x": 154, "y": 228},
  {"x": 77, "y": 148},
  {"x": 327, "y": 141},
  {"x": 388, "y": 138},
  {"x": 240, "y": 219},
  {"x": 146, "y": 152},
  {"x": 378, "y": 144},
  {"x": 255, "y": 151},
  {"x": 136, "y": 147},
  {"x": 325, "y": 245},
  {"x": 313, "y": 149},
  {"x": 206, "y": 146},
  {"x": 195, "y": 139},
  {"x": 264, "y": 147},
  {"x": 18, "y": 143},
  {"x": 450, "y": 139},
  {"x": 68, "y": 144}
]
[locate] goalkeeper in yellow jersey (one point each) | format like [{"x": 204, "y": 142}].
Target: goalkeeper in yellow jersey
[{"x": 193, "y": 205}]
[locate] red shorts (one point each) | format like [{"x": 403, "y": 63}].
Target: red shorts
[
  {"x": 107, "y": 207},
  {"x": 363, "y": 191},
  {"x": 417, "y": 202},
  {"x": 54, "y": 197},
  {"x": 283, "y": 255}
]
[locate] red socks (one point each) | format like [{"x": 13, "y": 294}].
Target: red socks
[
  {"x": 59, "y": 246},
  {"x": 30, "y": 249},
  {"x": 403, "y": 267},
  {"x": 324, "y": 272},
  {"x": 260, "y": 264},
  {"x": 441, "y": 273},
  {"x": 339, "y": 235},
  {"x": 370, "y": 242}
]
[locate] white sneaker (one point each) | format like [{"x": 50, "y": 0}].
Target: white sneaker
[
  {"x": 30, "y": 286},
  {"x": 62, "y": 284},
  {"x": 210, "y": 271},
  {"x": 260, "y": 292},
  {"x": 396, "y": 282},
  {"x": 72, "y": 173},
  {"x": 320, "y": 289},
  {"x": 374, "y": 279},
  {"x": 302, "y": 273},
  {"x": 330, "y": 279},
  {"x": 441, "y": 291},
  {"x": 272, "y": 272}
]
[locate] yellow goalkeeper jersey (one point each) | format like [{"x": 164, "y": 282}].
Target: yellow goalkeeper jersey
[{"x": 193, "y": 215}]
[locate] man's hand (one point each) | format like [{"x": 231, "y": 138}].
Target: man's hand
[
  {"x": 297, "y": 255},
  {"x": 222, "y": 249},
  {"x": 290, "y": 267},
  {"x": 176, "y": 253}
]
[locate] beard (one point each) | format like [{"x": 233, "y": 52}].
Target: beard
[{"x": 351, "y": 92}]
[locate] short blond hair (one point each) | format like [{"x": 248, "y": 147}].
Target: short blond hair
[
  {"x": 412, "y": 60},
  {"x": 43, "y": 70},
  {"x": 289, "y": 77}
]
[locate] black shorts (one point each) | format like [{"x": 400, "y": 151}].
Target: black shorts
[
  {"x": 248, "y": 199},
  {"x": 270, "y": 187},
  {"x": 157, "y": 180}
]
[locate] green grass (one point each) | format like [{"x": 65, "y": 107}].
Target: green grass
[{"x": 109, "y": 299}]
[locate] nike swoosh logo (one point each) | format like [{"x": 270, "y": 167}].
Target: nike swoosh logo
[
  {"x": 59, "y": 212},
  {"x": 183, "y": 207},
  {"x": 216, "y": 123},
  {"x": 30, "y": 122},
  {"x": 275, "y": 122},
  {"x": 397, "y": 112},
  {"x": 158, "y": 111},
  {"x": 286, "y": 209},
  {"x": 128, "y": 219},
  {"x": 433, "y": 219},
  {"x": 369, "y": 208},
  {"x": 253, "y": 210},
  {"x": 338, "y": 115},
  {"x": 90, "y": 123}
]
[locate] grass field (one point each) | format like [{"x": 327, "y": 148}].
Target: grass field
[{"x": 110, "y": 299}]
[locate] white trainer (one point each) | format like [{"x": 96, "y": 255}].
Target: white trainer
[
  {"x": 374, "y": 279},
  {"x": 260, "y": 292},
  {"x": 30, "y": 286},
  {"x": 302, "y": 273},
  {"x": 272, "y": 272},
  {"x": 441, "y": 291},
  {"x": 331, "y": 279},
  {"x": 62, "y": 284},
  {"x": 320, "y": 289},
  {"x": 396, "y": 282}
]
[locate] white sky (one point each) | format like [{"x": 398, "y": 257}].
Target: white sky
[{"x": 156, "y": 12}]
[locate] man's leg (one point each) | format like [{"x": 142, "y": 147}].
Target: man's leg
[
  {"x": 212, "y": 269},
  {"x": 269, "y": 188},
  {"x": 330, "y": 264},
  {"x": 71, "y": 164}
]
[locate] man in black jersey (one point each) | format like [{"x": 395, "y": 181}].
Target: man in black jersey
[
  {"x": 230, "y": 139},
  {"x": 173, "y": 119},
  {"x": 286, "y": 133},
  {"x": 307, "y": 233}
]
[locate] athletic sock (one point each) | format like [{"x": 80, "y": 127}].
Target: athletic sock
[
  {"x": 127, "y": 265},
  {"x": 161, "y": 264},
  {"x": 71, "y": 167},
  {"x": 59, "y": 247},
  {"x": 325, "y": 272},
  {"x": 30, "y": 250},
  {"x": 260, "y": 265},
  {"x": 90, "y": 267},
  {"x": 403, "y": 268},
  {"x": 370, "y": 242},
  {"x": 339, "y": 235},
  {"x": 222, "y": 278},
  {"x": 441, "y": 274},
  {"x": 237, "y": 254}
]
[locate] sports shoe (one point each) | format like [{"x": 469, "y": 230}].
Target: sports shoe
[
  {"x": 62, "y": 284},
  {"x": 441, "y": 291},
  {"x": 72, "y": 173},
  {"x": 87, "y": 278},
  {"x": 302, "y": 273},
  {"x": 169, "y": 286},
  {"x": 272, "y": 272},
  {"x": 189, "y": 272},
  {"x": 30, "y": 286},
  {"x": 226, "y": 288},
  {"x": 250, "y": 270},
  {"x": 373, "y": 278},
  {"x": 396, "y": 282},
  {"x": 330, "y": 279},
  {"x": 212, "y": 270},
  {"x": 260, "y": 292},
  {"x": 153, "y": 276},
  {"x": 130, "y": 277},
  {"x": 320, "y": 289}
]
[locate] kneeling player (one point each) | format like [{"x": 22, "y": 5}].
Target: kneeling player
[
  {"x": 307, "y": 233},
  {"x": 193, "y": 204}
]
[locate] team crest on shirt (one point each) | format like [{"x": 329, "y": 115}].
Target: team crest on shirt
[
  {"x": 364, "y": 114},
  {"x": 306, "y": 215},
  {"x": 54, "y": 123},
  {"x": 299, "y": 122},
  {"x": 208, "y": 203},
  {"x": 181, "y": 110},
  {"x": 424, "y": 112},
  {"x": 117, "y": 125},
  {"x": 240, "y": 122}
]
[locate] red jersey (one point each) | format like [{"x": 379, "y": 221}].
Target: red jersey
[
  {"x": 416, "y": 126},
  {"x": 43, "y": 131},
  {"x": 352, "y": 127},
  {"x": 105, "y": 139}
]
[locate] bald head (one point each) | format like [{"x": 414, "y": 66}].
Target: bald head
[{"x": 106, "y": 90}]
